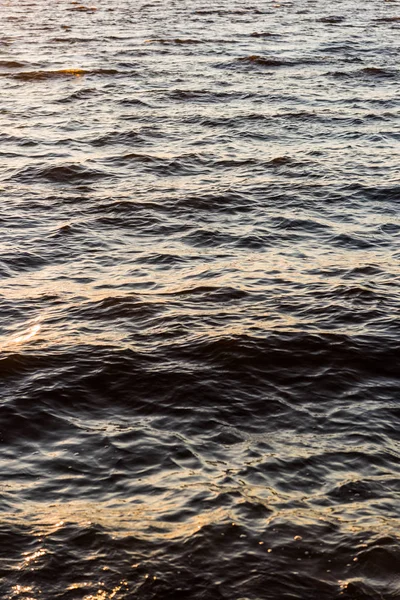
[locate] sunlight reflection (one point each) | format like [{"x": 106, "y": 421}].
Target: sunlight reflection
[
  {"x": 32, "y": 558},
  {"x": 105, "y": 595},
  {"x": 21, "y": 589},
  {"x": 149, "y": 522},
  {"x": 28, "y": 334}
]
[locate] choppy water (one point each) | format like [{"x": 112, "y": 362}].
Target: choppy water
[{"x": 200, "y": 300}]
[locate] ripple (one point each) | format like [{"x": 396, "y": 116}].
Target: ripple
[
  {"x": 260, "y": 61},
  {"x": 73, "y": 72},
  {"x": 58, "y": 174},
  {"x": 333, "y": 19}
]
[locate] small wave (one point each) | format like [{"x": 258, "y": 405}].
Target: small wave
[
  {"x": 133, "y": 102},
  {"x": 175, "y": 41},
  {"x": 64, "y": 231},
  {"x": 310, "y": 225},
  {"x": 332, "y": 20},
  {"x": 164, "y": 259},
  {"x": 255, "y": 60},
  {"x": 264, "y": 61},
  {"x": 201, "y": 163},
  {"x": 230, "y": 201},
  {"x": 220, "y": 12},
  {"x": 204, "y": 95},
  {"x": 265, "y": 34},
  {"x": 82, "y": 8},
  {"x": 12, "y": 64},
  {"x": 11, "y": 263},
  {"x": 202, "y": 237},
  {"x": 358, "y": 491},
  {"x": 279, "y": 161},
  {"x": 382, "y": 193},
  {"x": 73, "y": 40},
  {"x": 211, "y": 294},
  {"x": 291, "y": 353},
  {"x": 387, "y": 20},
  {"x": 352, "y": 241},
  {"x": 135, "y": 157},
  {"x": 377, "y": 72},
  {"x": 118, "y": 137},
  {"x": 14, "y": 139},
  {"x": 58, "y": 173},
  {"x": 117, "y": 307},
  {"x": 206, "y": 11},
  {"x": 180, "y": 165},
  {"x": 301, "y": 115},
  {"x": 83, "y": 94},
  {"x": 235, "y": 121},
  {"x": 340, "y": 47},
  {"x": 45, "y": 75}
]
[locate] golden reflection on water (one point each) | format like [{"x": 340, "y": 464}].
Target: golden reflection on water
[
  {"x": 75, "y": 72},
  {"x": 28, "y": 334},
  {"x": 153, "y": 524},
  {"x": 22, "y": 589},
  {"x": 251, "y": 271},
  {"x": 147, "y": 523},
  {"x": 143, "y": 521},
  {"x": 31, "y": 558}
]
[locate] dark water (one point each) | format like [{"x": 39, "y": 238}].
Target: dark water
[{"x": 200, "y": 300}]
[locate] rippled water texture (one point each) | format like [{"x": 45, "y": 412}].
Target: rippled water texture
[{"x": 200, "y": 300}]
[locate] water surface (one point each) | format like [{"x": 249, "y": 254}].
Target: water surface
[{"x": 200, "y": 300}]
